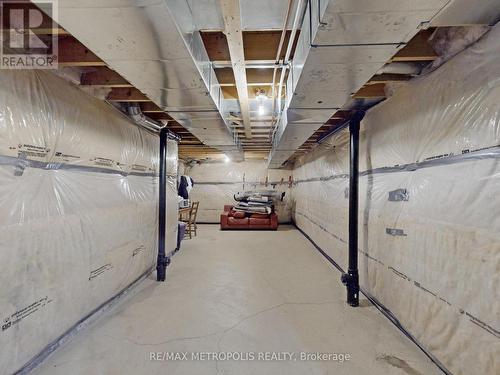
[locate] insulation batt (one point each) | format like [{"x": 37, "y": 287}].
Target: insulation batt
[
  {"x": 432, "y": 257},
  {"x": 79, "y": 208}
]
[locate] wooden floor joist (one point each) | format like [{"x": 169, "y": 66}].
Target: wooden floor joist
[
  {"x": 417, "y": 49},
  {"x": 123, "y": 94},
  {"x": 49, "y": 31},
  {"x": 386, "y": 78},
  {"x": 150, "y": 107},
  {"x": 262, "y": 45},
  {"x": 255, "y": 77},
  {"x": 158, "y": 116},
  {"x": 371, "y": 91},
  {"x": 73, "y": 53},
  {"x": 104, "y": 77},
  {"x": 230, "y": 92}
]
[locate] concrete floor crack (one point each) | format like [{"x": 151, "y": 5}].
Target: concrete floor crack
[{"x": 224, "y": 332}]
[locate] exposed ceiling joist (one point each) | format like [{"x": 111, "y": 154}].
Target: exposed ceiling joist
[
  {"x": 260, "y": 46},
  {"x": 104, "y": 77},
  {"x": 258, "y": 128},
  {"x": 232, "y": 24},
  {"x": 232, "y": 92},
  {"x": 261, "y": 120},
  {"x": 159, "y": 116},
  {"x": 371, "y": 91},
  {"x": 49, "y": 31},
  {"x": 73, "y": 53},
  {"x": 256, "y": 131},
  {"x": 250, "y": 84},
  {"x": 387, "y": 77},
  {"x": 249, "y": 64},
  {"x": 150, "y": 107},
  {"x": 264, "y": 44},
  {"x": 125, "y": 94},
  {"x": 417, "y": 49}
]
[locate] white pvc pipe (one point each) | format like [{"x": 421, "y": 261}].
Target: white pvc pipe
[
  {"x": 278, "y": 54},
  {"x": 291, "y": 40}
]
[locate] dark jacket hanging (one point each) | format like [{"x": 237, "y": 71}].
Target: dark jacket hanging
[{"x": 182, "y": 191}]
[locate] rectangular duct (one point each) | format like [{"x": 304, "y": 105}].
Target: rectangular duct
[
  {"x": 156, "y": 46},
  {"x": 342, "y": 44}
]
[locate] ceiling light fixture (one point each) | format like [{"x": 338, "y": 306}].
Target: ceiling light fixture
[
  {"x": 261, "y": 97},
  {"x": 262, "y": 110}
]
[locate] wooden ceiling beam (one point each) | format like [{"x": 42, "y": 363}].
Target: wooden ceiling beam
[
  {"x": 104, "y": 77},
  {"x": 225, "y": 76},
  {"x": 256, "y": 144},
  {"x": 122, "y": 94},
  {"x": 417, "y": 49},
  {"x": 179, "y": 130},
  {"x": 198, "y": 150},
  {"x": 232, "y": 24},
  {"x": 263, "y": 133},
  {"x": 371, "y": 91},
  {"x": 254, "y": 128},
  {"x": 49, "y": 31},
  {"x": 204, "y": 153},
  {"x": 183, "y": 133},
  {"x": 73, "y": 53},
  {"x": 264, "y": 142},
  {"x": 231, "y": 92},
  {"x": 262, "y": 45},
  {"x": 158, "y": 116},
  {"x": 150, "y": 107},
  {"x": 216, "y": 45},
  {"x": 258, "y": 45},
  {"x": 387, "y": 77}
]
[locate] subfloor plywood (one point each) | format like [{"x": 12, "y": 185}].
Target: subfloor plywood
[{"x": 245, "y": 292}]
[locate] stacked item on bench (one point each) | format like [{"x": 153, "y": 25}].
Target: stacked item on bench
[
  {"x": 257, "y": 202},
  {"x": 254, "y": 210}
]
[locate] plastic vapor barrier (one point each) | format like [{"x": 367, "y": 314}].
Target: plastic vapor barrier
[
  {"x": 216, "y": 183},
  {"x": 79, "y": 204},
  {"x": 172, "y": 215},
  {"x": 429, "y": 231}
]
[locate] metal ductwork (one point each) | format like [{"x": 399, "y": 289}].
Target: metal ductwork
[
  {"x": 134, "y": 112},
  {"x": 410, "y": 68},
  {"x": 342, "y": 44},
  {"x": 156, "y": 46}
]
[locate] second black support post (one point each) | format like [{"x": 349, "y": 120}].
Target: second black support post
[
  {"x": 351, "y": 278},
  {"x": 162, "y": 261}
]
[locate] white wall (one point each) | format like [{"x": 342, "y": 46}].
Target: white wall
[
  {"x": 438, "y": 137},
  {"x": 215, "y": 183},
  {"x": 78, "y": 209}
]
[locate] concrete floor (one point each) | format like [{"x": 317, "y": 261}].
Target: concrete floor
[{"x": 245, "y": 292}]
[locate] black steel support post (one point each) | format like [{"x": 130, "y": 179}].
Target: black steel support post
[
  {"x": 351, "y": 278},
  {"x": 163, "y": 261}
]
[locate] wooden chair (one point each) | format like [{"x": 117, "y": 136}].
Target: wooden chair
[{"x": 191, "y": 226}]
